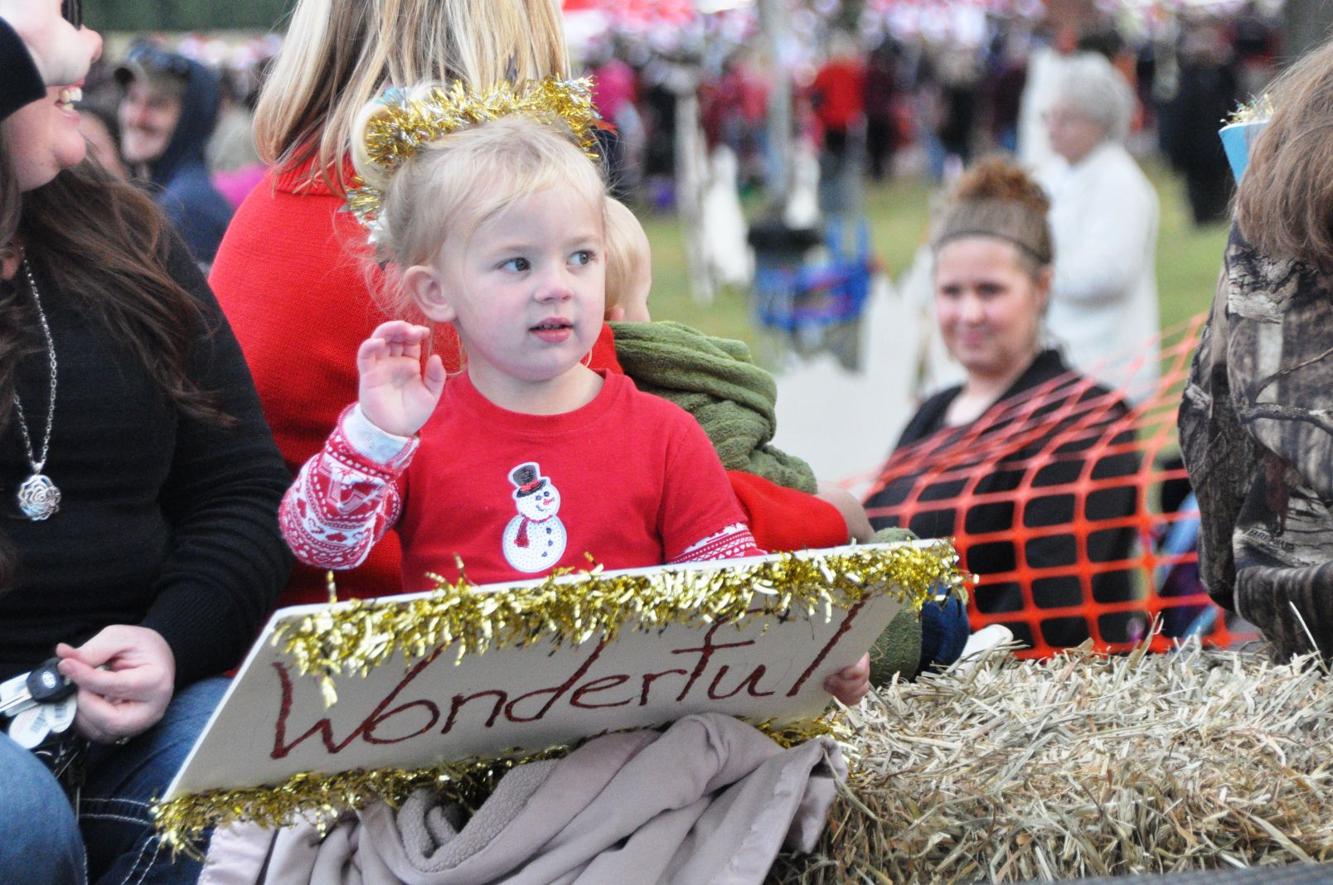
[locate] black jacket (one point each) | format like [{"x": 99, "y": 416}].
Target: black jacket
[{"x": 165, "y": 521}]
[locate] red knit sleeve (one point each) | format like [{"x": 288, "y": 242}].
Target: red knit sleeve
[
  {"x": 785, "y": 519},
  {"x": 342, "y": 502}
]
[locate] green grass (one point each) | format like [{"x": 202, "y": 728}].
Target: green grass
[{"x": 1188, "y": 258}]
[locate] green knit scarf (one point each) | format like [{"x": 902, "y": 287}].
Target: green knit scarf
[{"x": 716, "y": 381}]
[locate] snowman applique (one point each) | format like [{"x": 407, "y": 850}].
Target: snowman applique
[{"x": 535, "y": 539}]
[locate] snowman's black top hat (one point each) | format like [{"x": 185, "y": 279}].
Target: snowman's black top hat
[{"x": 527, "y": 478}]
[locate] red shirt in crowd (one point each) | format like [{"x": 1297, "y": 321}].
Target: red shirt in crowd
[{"x": 839, "y": 93}]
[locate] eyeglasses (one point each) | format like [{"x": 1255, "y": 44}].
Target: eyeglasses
[
  {"x": 1064, "y": 117},
  {"x": 72, "y": 12},
  {"x": 152, "y": 58}
]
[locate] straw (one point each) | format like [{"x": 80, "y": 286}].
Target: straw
[{"x": 1083, "y": 765}]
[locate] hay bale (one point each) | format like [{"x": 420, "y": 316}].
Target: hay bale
[{"x": 1084, "y": 766}]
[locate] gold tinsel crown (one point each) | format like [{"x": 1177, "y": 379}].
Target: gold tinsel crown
[{"x": 405, "y": 122}]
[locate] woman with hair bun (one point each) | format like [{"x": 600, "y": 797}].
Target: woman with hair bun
[{"x": 1019, "y": 421}]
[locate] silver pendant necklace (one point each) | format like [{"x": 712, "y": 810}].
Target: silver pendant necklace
[{"x": 38, "y": 497}]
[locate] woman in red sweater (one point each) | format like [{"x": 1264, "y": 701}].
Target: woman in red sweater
[{"x": 293, "y": 259}]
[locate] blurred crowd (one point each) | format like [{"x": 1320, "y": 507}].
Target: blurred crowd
[
  {"x": 179, "y": 118},
  {"x": 873, "y": 101},
  {"x": 932, "y": 102}
]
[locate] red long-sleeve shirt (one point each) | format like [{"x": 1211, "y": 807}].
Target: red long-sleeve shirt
[{"x": 628, "y": 479}]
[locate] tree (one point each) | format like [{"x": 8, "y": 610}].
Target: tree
[{"x": 187, "y": 15}]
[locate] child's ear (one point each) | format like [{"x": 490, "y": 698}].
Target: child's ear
[{"x": 422, "y": 282}]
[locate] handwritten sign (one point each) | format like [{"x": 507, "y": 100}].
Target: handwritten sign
[{"x": 440, "y": 707}]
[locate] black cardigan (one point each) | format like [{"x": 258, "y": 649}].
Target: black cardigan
[
  {"x": 927, "y": 429},
  {"x": 165, "y": 521}
]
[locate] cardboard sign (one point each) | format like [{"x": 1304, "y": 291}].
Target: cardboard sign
[{"x": 442, "y": 707}]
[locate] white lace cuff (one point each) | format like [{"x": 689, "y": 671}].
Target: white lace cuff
[{"x": 370, "y": 441}]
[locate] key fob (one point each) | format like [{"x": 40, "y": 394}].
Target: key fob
[
  {"x": 61, "y": 713},
  {"x": 30, "y": 727},
  {"x": 47, "y": 684}
]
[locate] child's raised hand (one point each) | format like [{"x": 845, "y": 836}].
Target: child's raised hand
[{"x": 395, "y": 395}]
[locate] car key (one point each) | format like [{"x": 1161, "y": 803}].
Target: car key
[{"x": 44, "y": 685}]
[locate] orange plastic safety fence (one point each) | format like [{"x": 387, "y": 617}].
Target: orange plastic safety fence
[{"x": 1055, "y": 498}]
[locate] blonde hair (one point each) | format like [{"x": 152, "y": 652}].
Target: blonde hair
[
  {"x": 628, "y": 254},
  {"x": 1284, "y": 204},
  {"x": 462, "y": 179},
  {"x": 338, "y": 54}
]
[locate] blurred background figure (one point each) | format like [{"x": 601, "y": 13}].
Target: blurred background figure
[
  {"x": 614, "y": 94},
  {"x": 1046, "y": 64},
  {"x": 1207, "y": 91},
  {"x": 733, "y": 108},
  {"x": 1005, "y": 87},
  {"x": 881, "y": 88},
  {"x": 166, "y": 118},
  {"x": 101, "y": 130},
  {"x": 1103, "y": 309},
  {"x": 231, "y": 154},
  {"x": 837, "y": 97}
]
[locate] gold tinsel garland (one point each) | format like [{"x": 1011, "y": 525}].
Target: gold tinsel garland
[
  {"x": 407, "y": 121},
  {"x": 182, "y": 821},
  {"x": 351, "y": 638}
]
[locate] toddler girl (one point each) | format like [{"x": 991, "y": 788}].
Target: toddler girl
[{"x": 527, "y": 460}]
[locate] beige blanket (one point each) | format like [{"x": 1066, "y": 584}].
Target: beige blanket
[{"x": 708, "y": 800}]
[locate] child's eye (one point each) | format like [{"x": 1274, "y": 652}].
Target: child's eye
[
  {"x": 516, "y": 264},
  {"x": 583, "y": 257}
]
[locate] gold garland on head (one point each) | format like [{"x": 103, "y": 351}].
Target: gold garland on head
[
  {"x": 324, "y": 797},
  {"x": 351, "y": 638},
  {"x": 407, "y": 121}
]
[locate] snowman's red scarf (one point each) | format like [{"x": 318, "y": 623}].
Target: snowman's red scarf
[{"x": 521, "y": 539}]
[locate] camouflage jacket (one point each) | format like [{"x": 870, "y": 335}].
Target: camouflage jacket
[{"x": 1256, "y": 429}]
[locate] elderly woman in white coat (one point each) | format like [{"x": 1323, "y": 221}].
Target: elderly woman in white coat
[{"x": 1103, "y": 307}]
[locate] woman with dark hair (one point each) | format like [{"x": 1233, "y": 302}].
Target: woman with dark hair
[
  {"x": 1255, "y": 424},
  {"x": 139, "y": 482}
]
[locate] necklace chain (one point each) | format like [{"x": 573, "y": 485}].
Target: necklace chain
[{"x": 38, "y": 463}]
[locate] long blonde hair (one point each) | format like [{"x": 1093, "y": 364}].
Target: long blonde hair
[{"x": 338, "y": 54}]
